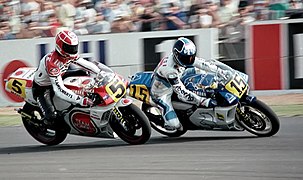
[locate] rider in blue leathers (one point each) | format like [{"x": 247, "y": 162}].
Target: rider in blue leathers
[{"x": 166, "y": 80}]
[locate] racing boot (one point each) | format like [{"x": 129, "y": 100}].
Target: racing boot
[
  {"x": 47, "y": 108},
  {"x": 50, "y": 119},
  {"x": 173, "y": 124}
]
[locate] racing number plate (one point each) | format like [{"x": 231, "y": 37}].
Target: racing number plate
[
  {"x": 237, "y": 86},
  {"x": 116, "y": 89},
  {"x": 139, "y": 91},
  {"x": 17, "y": 86}
]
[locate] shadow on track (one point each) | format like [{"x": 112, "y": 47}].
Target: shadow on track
[
  {"x": 112, "y": 144},
  {"x": 62, "y": 147},
  {"x": 166, "y": 140}
]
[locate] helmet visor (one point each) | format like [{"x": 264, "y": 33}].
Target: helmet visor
[
  {"x": 70, "y": 49},
  {"x": 186, "y": 60}
]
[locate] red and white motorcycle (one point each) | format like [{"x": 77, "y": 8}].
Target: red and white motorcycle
[{"x": 113, "y": 113}]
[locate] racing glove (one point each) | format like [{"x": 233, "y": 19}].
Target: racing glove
[
  {"x": 208, "y": 102},
  {"x": 86, "y": 102}
]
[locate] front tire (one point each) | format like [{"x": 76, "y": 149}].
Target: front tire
[
  {"x": 261, "y": 120},
  {"x": 37, "y": 129},
  {"x": 138, "y": 130}
]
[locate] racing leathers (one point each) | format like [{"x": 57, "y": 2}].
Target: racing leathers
[
  {"x": 48, "y": 81},
  {"x": 166, "y": 80}
]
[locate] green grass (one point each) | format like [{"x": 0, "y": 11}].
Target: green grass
[
  {"x": 284, "y": 111},
  {"x": 288, "y": 110},
  {"x": 10, "y": 120}
]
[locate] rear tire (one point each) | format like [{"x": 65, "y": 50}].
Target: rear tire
[
  {"x": 37, "y": 129},
  {"x": 263, "y": 121},
  {"x": 138, "y": 127}
]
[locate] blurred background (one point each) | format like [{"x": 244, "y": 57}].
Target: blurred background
[{"x": 263, "y": 38}]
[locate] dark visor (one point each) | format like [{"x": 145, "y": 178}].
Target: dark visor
[
  {"x": 70, "y": 49},
  {"x": 187, "y": 60}
]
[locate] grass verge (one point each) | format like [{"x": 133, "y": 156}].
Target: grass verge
[
  {"x": 10, "y": 120},
  {"x": 288, "y": 110}
]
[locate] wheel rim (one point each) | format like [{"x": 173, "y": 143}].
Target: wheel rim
[
  {"x": 257, "y": 121},
  {"x": 131, "y": 126}
]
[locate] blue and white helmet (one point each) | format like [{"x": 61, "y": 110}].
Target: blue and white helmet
[{"x": 184, "y": 52}]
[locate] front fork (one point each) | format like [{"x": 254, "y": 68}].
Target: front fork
[
  {"x": 248, "y": 99},
  {"x": 123, "y": 102}
]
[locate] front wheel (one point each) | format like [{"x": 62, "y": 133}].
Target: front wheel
[
  {"x": 257, "y": 118},
  {"x": 36, "y": 128},
  {"x": 133, "y": 127}
]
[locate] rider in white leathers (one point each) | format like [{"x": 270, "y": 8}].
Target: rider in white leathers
[
  {"x": 166, "y": 80},
  {"x": 48, "y": 77}
]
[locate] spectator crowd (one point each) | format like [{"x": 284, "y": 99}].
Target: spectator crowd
[{"x": 44, "y": 18}]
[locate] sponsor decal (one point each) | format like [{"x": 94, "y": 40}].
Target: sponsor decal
[
  {"x": 230, "y": 98},
  {"x": 220, "y": 116},
  {"x": 80, "y": 92},
  {"x": 184, "y": 94},
  {"x": 82, "y": 123},
  {"x": 118, "y": 114},
  {"x": 63, "y": 91},
  {"x": 54, "y": 72},
  {"x": 30, "y": 75}
]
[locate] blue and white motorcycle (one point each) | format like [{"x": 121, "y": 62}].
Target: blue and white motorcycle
[{"x": 237, "y": 110}]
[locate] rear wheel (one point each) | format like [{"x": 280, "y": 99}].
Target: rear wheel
[
  {"x": 134, "y": 128},
  {"x": 37, "y": 129},
  {"x": 157, "y": 122},
  {"x": 257, "y": 118}
]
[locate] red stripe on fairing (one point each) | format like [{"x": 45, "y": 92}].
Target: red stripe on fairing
[{"x": 266, "y": 57}]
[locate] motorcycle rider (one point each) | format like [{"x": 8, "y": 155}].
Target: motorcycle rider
[
  {"x": 166, "y": 80},
  {"x": 48, "y": 76}
]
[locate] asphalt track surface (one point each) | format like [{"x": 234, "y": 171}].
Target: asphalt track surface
[{"x": 195, "y": 155}]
